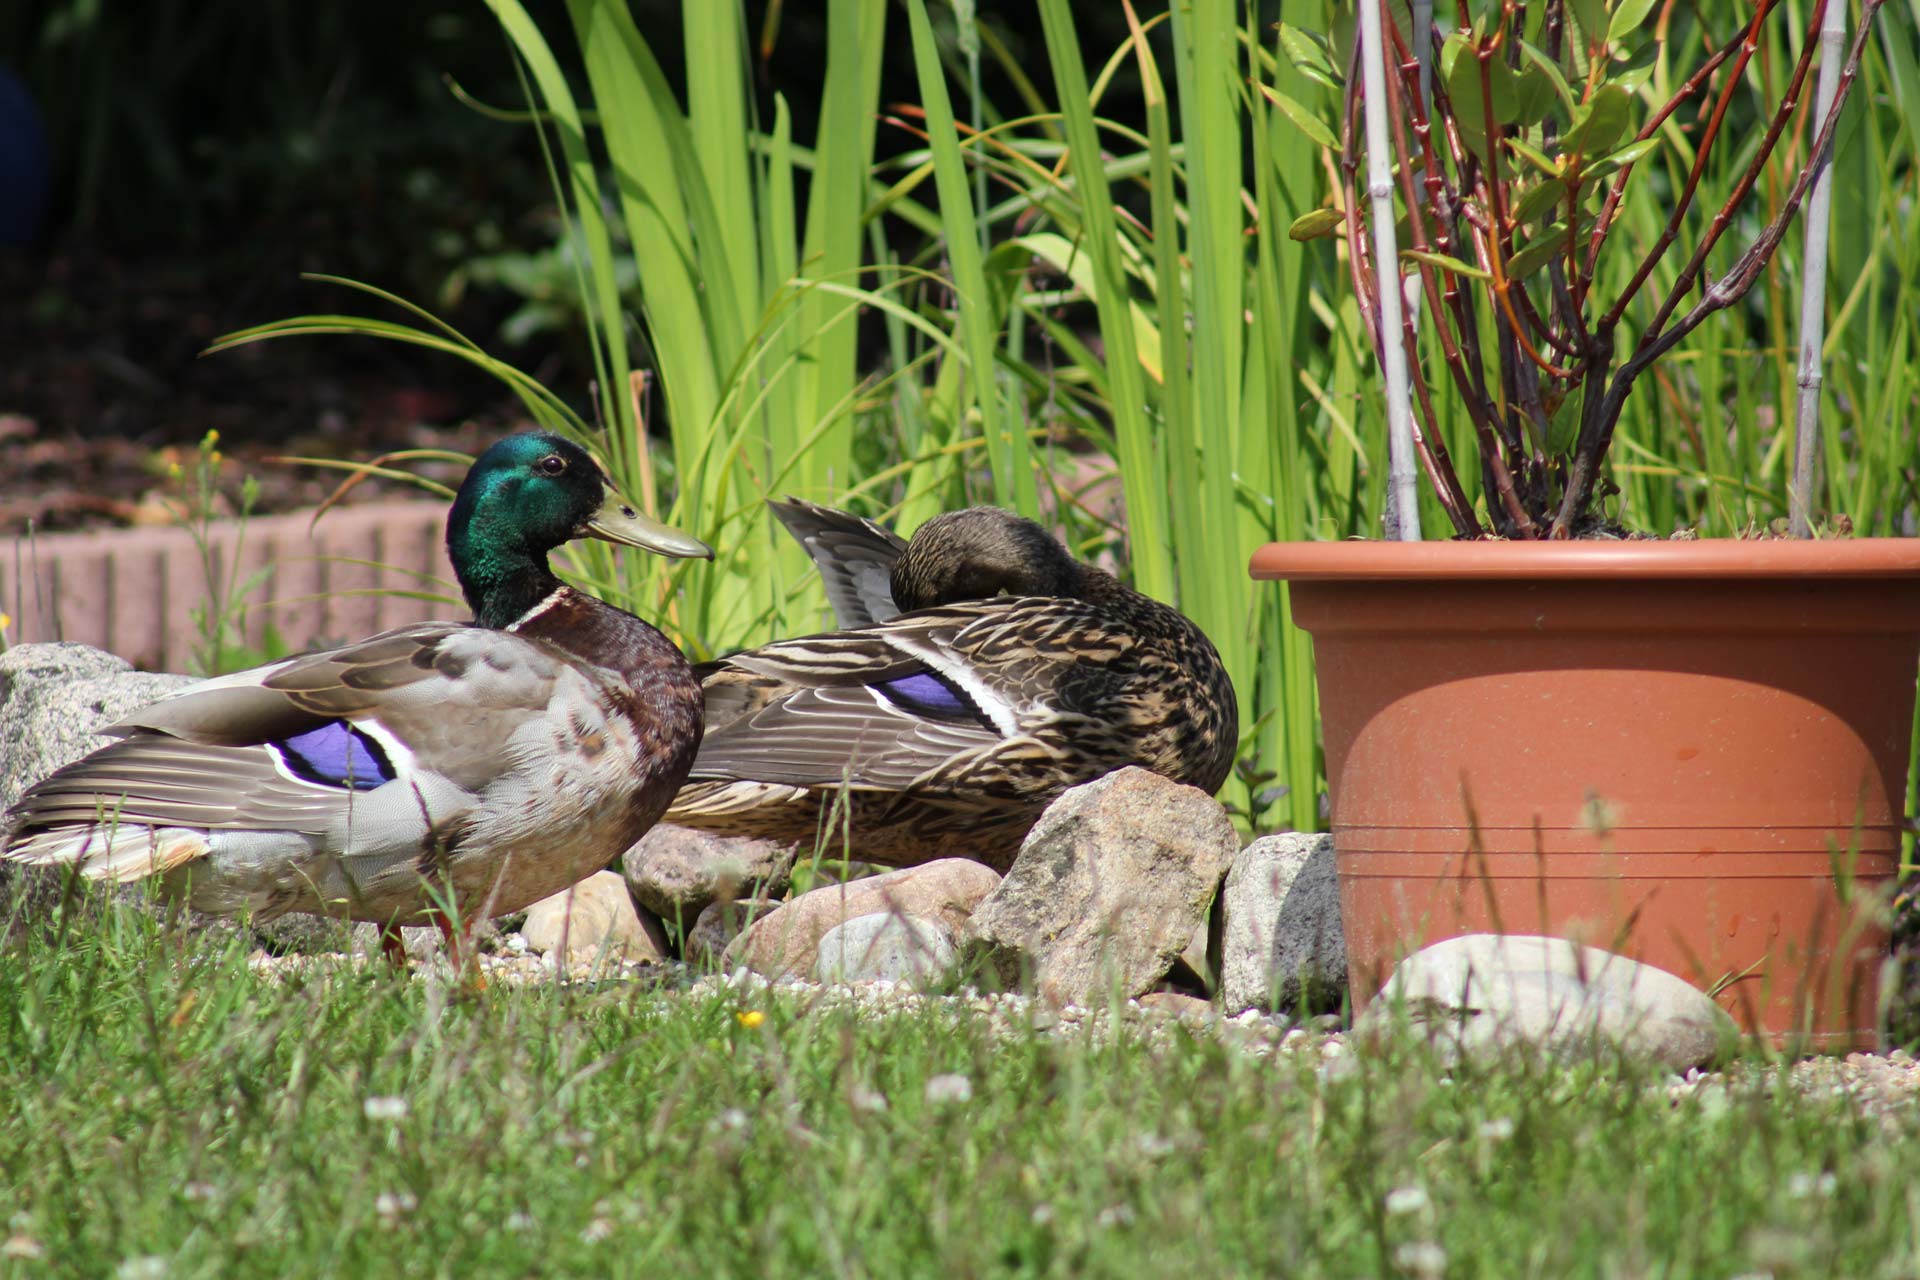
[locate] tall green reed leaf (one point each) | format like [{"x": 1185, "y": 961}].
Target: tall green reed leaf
[{"x": 1013, "y": 481}]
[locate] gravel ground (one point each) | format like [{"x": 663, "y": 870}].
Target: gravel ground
[{"x": 1883, "y": 1085}]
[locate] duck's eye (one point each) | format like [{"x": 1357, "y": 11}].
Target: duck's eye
[{"x": 551, "y": 465}]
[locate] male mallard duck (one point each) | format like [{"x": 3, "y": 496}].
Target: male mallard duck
[
  {"x": 983, "y": 675},
  {"x": 491, "y": 763}
]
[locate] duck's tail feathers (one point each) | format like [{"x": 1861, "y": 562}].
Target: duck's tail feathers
[
  {"x": 110, "y": 852},
  {"x": 855, "y": 558},
  {"x": 730, "y": 807}
]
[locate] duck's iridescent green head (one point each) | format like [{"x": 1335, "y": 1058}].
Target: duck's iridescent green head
[
  {"x": 980, "y": 553},
  {"x": 525, "y": 496}
]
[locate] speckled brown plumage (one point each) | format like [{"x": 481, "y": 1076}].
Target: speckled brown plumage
[
  {"x": 649, "y": 684},
  {"x": 945, "y": 730}
]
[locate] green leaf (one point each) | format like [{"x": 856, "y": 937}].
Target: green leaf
[
  {"x": 1316, "y": 225},
  {"x": 1101, "y": 241},
  {"x": 1634, "y": 61},
  {"x": 1066, "y": 257},
  {"x": 1308, "y": 52},
  {"x": 1303, "y": 119},
  {"x": 1538, "y": 199},
  {"x": 1600, "y": 121},
  {"x": 1590, "y": 14},
  {"x": 1547, "y": 67},
  {"x": 1564, "y": 425},
  {"x": 1539, "y": 159},
  {"x": 1537, "y": 252},
  {"x": 978, "y": 322},
  {"x": 1627, "y": 18},
  {"x": 1632, "y": 153},
  {"x": 1534, "y": 93},
  {"x": 1446, "y": 263},
  {"x": 1460, "y": 71}
]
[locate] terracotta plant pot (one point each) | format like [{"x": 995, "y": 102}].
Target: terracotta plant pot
[{"x": 1692, "y": 753}]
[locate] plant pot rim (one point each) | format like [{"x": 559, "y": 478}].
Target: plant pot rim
[{"x": 1645, "y": 558}]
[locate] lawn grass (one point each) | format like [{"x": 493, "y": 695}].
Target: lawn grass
[{"x": 165, "y": 1109}]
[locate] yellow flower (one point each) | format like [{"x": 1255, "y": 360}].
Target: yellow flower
[
  {"x": 6, "y": 620},
  {"x": 750, "y": 1018}
]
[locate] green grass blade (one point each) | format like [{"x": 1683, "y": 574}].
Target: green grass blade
[{"x": 1142, "y": 475}]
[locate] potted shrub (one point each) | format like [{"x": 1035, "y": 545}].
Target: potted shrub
[{"x": 1691, "y": 752}]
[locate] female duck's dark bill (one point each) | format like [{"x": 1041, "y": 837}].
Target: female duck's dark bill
[{"x": 619, "y": 520}]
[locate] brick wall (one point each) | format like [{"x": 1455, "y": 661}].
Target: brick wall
[{"x": 131, "y": 591}]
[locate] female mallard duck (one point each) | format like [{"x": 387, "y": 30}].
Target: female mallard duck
[
  {"x": 474, "y": 766},
  {"x": 985, "y": 672}
]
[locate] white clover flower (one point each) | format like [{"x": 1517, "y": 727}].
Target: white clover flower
[
  {"x": 950, "y": 1087},
  {"x": 393, "y": 1204},
  {"x": 377, "y": 1107},
  {"x": 1408, "y": 1200},
  {"x": 1421, "y": 1257},
  {"x": 1802, "y": 1185},
  {"x": 1153, "y": 1146},
  {"x": 22, "y": 1248}
]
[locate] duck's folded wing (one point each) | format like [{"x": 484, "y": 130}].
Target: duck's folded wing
[
  {"x": 729, "y": 692},
  {"x": 297, "y": 745},
  {"x": 843, "y": 707},
  {"x": 823, "y": 737},
  {"x": 855, "y": 557}
]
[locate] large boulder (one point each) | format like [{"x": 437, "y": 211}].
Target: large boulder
[
  {"x": 1108, "y": 889},
  {"x": 1280, "y": 945},
  {"x": 54, "y": 698},
  {"x": 786, "y": 942},
  {"x": 677, "y": 872},
  {"x": 1490, "y": 993},
  {"x": 594, "y": 918}
]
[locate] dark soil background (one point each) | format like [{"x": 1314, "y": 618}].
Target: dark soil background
[
  {"x": 168, "y": 170},
  {"x": 196, "y": 161}
]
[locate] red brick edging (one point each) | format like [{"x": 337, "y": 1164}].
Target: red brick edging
[{"x": 131, "y": 591}]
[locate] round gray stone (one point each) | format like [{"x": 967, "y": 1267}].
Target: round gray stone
[
  {"x": 677, "y": 872},
  {"x": 1489, "y": 993},
  {"x": 1108, "y": 890},
  {"x": 1280, "y": 943},
  {"x": 885, "y": 947},
  {"x": 719, "y": 924}
]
